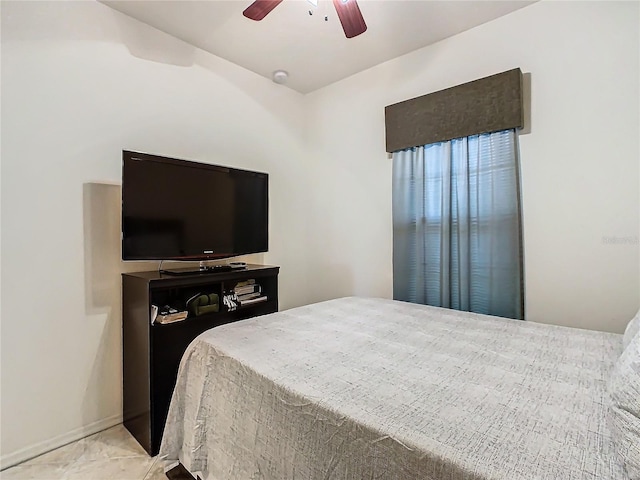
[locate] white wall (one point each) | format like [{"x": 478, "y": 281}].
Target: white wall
[
  {"x": 580, "y": 163},
  {"x": 80, "y": 82}
]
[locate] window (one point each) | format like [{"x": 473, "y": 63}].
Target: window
[{"x": 456, "y": 220}]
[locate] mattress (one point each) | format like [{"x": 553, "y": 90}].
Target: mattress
[{"x": 364, "y": 388}]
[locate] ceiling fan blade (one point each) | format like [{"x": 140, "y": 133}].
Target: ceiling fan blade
[
  {"x": 260, "y": 8},
  {"x": 350, "y": 17}
]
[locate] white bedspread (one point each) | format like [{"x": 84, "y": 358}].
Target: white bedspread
[{"x": 361, "y": 388}]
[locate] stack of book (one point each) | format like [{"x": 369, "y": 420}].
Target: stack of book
[
  {"x": 248, "y": 292},
  {"x": 167, "y": 314}
]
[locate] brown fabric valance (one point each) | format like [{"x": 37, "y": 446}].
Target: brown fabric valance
[{"x": 485, "y": 105}]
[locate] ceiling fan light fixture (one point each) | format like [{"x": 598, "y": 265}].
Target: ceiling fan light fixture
[{"x": 280, "y": 77}]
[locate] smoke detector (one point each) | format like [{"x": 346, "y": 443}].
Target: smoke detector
[{"x": 280, "y": 77}]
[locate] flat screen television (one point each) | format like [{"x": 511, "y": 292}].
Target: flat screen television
[{"x": 183, "y": 210}]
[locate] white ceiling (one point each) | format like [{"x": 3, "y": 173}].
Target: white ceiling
[{"x": 313, "y": 51}]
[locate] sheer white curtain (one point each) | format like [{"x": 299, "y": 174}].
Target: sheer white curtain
[{"x": 456, "y": 225}]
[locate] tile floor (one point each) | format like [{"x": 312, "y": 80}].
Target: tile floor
[{"x": 109, "y": 455}]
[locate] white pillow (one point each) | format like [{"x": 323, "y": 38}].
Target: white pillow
[
  {"x": 633, "y": 327},
  {"x": 624, "y": 387}
]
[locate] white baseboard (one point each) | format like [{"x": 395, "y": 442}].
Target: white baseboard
[{"x": 27, "y": 453}]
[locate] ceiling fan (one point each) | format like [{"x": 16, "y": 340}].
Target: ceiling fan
[{"x": 348, "y": 13}]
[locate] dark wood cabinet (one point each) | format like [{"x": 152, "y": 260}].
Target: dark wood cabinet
[{"x": 152, "y": 352}]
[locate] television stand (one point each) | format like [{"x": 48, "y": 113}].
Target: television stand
[{"x": 152, "y": 351}]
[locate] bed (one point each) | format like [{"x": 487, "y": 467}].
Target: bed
[{"x": 365, "y": 388}]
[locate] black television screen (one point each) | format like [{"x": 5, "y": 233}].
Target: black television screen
[{"x": 182, "y": 210}]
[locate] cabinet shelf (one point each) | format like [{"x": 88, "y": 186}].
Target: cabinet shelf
[
  {"x": 152, "y": 353},
  {"x": 225, "y": 316}
]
